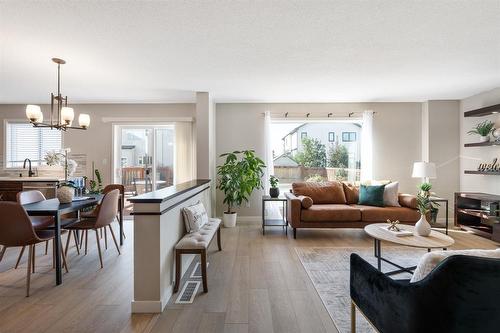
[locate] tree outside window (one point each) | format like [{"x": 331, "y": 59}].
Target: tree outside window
[{"x": 313, "y": 154}]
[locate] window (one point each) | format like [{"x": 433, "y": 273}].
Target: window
[
  {"x": 303, "y": 135},
  {"x": 25, "y": 141},
  {"x": 348, "y": 136},
  {"x": 331, "y": 136}
]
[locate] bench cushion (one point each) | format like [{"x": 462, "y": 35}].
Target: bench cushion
[{"x": 200, "y": 239}]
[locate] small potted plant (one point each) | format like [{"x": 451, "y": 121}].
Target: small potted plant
[
  {"x": 422, "y": 227},
  {"x": 425, "y": 191},
  {"x": 238, "y": 177},
  {"x": 274, "y": 190},
  {"x": 483, "y": 129}
]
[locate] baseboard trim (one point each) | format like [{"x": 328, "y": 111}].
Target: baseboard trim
[{"x": 148, "y": 306}]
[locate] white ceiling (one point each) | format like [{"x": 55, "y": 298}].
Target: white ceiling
[{"x": 272, "y": 51}]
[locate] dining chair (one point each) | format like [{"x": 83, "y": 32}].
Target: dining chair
[
  {"x": 93, "y": 212},
  {"x": 39, "y": 222},
  {"x": 105, "y": 215},
  {"x": 16, "y": 229}
]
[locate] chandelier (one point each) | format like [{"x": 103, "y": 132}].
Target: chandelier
[{"x": 61, "y": 116}]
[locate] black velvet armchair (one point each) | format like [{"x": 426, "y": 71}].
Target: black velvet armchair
[{"x": 462, "y": 294}]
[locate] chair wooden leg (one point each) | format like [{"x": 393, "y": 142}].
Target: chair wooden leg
[
  {"x": 114, "y": 239},
  {"x": 105, "y": 238},
  {"x": 46, "y": 247},
  {"x": 33, "y": 259},
  {"x": 67, "y": 243},
  {"x": 2, "y": 252},
  {"x": 77, "y": 243},
  {"x": 28, "y": 270},
  {"x": 19, "y": 257},
  {"x": 81, "y": 238},
  {"x": 178, "y": 267},
  {"x": 98, "y": 246},
  {"x": 218, "y": 239},
  {"x": 101, "y": 232},
  {"x": 353, "y": 317},
  {"x": 203, "y": 255},
  {"x": 63, "y": 255},
  {"x": 86, "y": 241}
]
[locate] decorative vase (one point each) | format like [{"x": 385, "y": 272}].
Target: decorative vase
[
  {"x": 422, "y": 227},
  {"x": 484, "y": 138},
  {"x": 229, "y": 220},
  {"x": 65, "y": 194},
  {"x": 274, "y": 192}
]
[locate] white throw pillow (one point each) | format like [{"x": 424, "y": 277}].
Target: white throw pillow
[
  {"x": 391, "y": 195},
  {"x": 430, "y": 260},
  {"x": 195, "y": 217}
]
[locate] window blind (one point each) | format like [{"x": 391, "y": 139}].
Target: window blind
[{"x": 25, "y": 141}]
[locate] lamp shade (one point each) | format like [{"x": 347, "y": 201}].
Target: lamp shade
[
  {"x": 67, "y": 115},
  {"x": 34, "y": 113},
  {"x": 424, "y": 170},
  {"x": 84, "y": 120}
]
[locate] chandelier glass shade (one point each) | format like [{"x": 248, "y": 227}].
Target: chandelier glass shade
[{"x": 61, "y": 116}]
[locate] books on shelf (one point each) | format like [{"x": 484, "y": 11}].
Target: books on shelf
[{"x": 400, "y": 233}]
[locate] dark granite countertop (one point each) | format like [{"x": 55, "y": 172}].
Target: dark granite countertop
[{"x": 167, "y": 193}]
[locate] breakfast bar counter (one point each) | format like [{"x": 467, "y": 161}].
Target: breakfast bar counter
[{"x": 158, "y": 226}]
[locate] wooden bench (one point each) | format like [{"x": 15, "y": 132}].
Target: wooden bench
[{"x": 197, "y": 243}]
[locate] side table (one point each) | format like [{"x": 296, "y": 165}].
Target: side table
[
  {"x": 438, "y": 199},
  {"x": 274, "y": 222}
]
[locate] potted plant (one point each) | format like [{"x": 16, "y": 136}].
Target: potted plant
[
  {"x": 274, "y": 191},
  {"x": 66, "y": 192},
  {"x": 422, "y": 227},
  {"x": 425, "y": 191},
  {"x": 238, "y": 177},
  {"x": 483, "y": 129}
]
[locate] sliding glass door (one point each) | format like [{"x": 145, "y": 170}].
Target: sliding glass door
[{"x": 144, "y": 157}]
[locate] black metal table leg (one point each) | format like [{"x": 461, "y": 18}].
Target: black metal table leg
[
  {"x": 57, "y": 248},
  {"x": 446, "y": 217},
  {"x": 120, "y": 215},
  {"x": 263, "y": 218}
]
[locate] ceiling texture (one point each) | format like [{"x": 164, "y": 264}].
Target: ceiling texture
[{"x": 249, "y": 51}]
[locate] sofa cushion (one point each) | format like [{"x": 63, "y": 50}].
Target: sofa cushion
[
  {"x": 381, "y": 214},
  {"x": 351, "y": 192},
  {"x": 321, "y": 193},
  {"x": 372, "y": 195},
  {"x": 430, "y": 260},
  {"x": 200, "y": 239},
  {"x": 391, "y": 195},
  {"x": 305, "y": 201},
  {"x": 407, "y": 200},
  {"x": 330, "y": 212}
]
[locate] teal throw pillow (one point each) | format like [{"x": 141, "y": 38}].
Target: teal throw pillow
[{"x": 371, "y": 195}]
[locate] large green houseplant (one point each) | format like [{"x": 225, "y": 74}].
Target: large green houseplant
[{"x": 237, "y": 178}]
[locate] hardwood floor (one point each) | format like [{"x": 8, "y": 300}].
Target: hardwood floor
[{"x": 256, "y": 284}]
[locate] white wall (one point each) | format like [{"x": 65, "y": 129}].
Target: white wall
[
  {"x": 96, "y": 142},
  {"x": 471, "y": 157},
  {"x": 397, "y": 137}
]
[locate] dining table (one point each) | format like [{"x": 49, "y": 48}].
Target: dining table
[{"x": 54, "y": 208}]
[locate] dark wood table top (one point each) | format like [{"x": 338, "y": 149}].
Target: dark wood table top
[{"x": 53, "y": 206}]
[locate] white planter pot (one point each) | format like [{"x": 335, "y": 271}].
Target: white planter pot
[
  {"x": 422, "y": 227},
  {"x": 229, "y": 220},
  {"x": 65, "y": 194},
  {"x": 484, "y": 138}
]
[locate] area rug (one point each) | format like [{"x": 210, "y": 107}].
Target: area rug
[{"x": 328, "y": 269}]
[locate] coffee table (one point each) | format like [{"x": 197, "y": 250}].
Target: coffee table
[{"x": 434, "y": 241}]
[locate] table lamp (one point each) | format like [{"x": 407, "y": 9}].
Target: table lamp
[{"x": 425, "y": 170}]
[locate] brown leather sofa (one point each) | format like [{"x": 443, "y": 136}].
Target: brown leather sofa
[{"x": 335, "y": 205}]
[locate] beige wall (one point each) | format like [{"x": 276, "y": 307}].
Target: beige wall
[
  {"x": 472, "y": 156},
  {"x": 96, "y": 142},
  {"x": 396, "y": 130}
]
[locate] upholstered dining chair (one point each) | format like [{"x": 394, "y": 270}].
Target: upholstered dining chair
[
  {"x": 39, "y": 222},
  {"x": 16, "y": 229},
  {"x": 93, "y": 213},
  {"x": 105, "y": 215}
]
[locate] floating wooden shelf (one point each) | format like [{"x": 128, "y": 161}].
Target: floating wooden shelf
[
  {"x": 482, "y": 144},
  {"x": 486, "y": 111},
  {"x": 475, "y": 172}
]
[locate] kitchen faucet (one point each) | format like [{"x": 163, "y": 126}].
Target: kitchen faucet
[{"x": 30, "y": 172}]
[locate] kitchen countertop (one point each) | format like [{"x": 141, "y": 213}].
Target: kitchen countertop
[{"x": 30, "y": 179}]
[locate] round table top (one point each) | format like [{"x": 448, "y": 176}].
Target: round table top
[{"x": 435, "y": 240}]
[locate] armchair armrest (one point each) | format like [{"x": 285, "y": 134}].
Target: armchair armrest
[
  {"x": 388, "y": 304},
  {"x": 407, "y": 200},
  {"x": 294, "y": 207}
]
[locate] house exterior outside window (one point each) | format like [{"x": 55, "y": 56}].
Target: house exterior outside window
[
  {"x": 331, "y": 136},
  {"x": 348, "y": 136}
]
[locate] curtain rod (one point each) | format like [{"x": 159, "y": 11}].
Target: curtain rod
[{"x": 308, "y": 115}]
